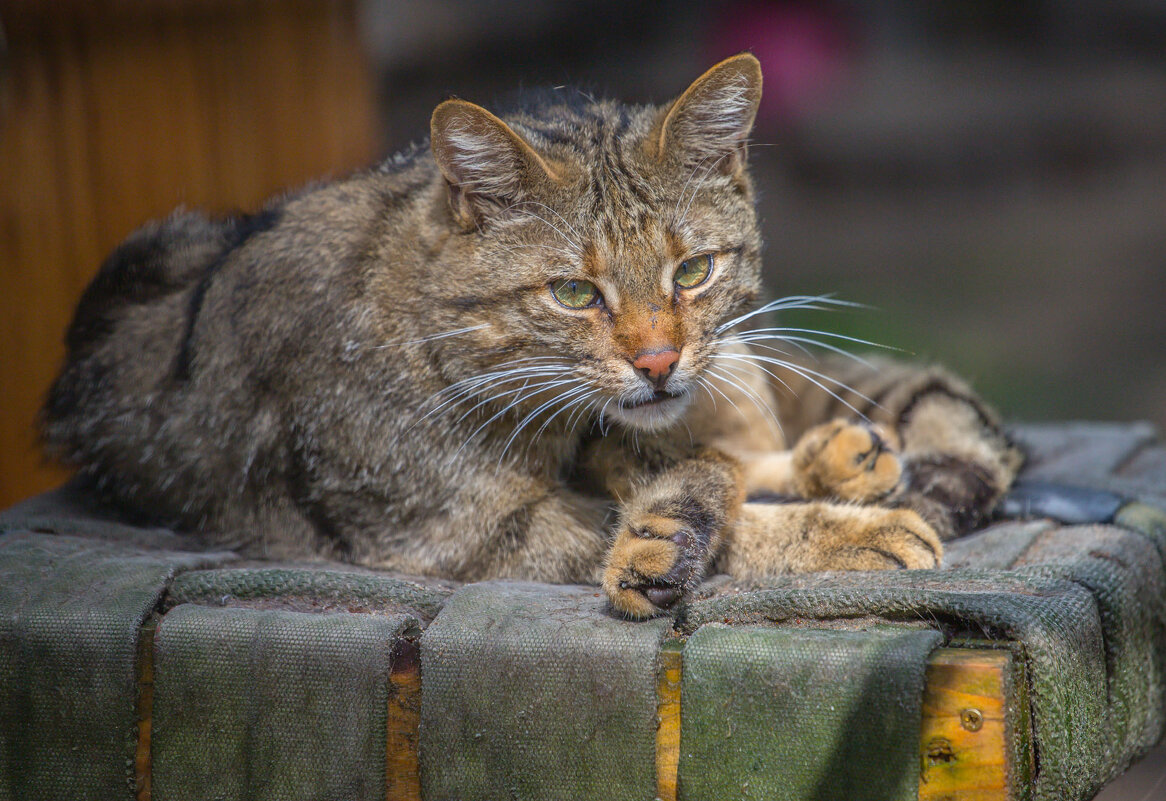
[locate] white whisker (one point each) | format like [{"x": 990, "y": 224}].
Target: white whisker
[
  {"x": 703, "y": 178},
  {"x": 680, "y": 198},
  {"x": 432, "y": 337},
  {"x": 552, "y": 211},
  {"x": 757, "y": 340},
  {"x": 578, "y": 249},
  {"x": 522, "y": 396},
  {"x": 532, "y": 415},
  {"x": 751, "y": 394},
  {"x": 704, "y": 385},
  {"x": 805, "y": 372},
  {"x": 572, "y": 254},
  {"x": 817, "y": 332},
  {"x": 804, "y": 302},
  {"x": 542, "y": 385}
]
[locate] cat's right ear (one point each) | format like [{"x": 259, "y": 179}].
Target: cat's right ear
[
  {"x": 709, "y": 123},
  {"x": 487, "y": 166}
]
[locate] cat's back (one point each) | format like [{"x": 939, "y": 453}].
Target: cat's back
[{"x": 176, "y": 339}]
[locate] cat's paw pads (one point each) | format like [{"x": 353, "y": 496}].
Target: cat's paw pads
[
  {"x": 652, "y": 564},
  {"x": 848, "y": 461},
  {"x": 885, "y": 539}
]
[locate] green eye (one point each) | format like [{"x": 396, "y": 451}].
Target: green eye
[
  {"x": 694, "y": 271},
  {"x": 575, "y": 293}
]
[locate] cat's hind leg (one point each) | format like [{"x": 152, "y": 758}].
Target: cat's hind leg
[
  {"x": 771, "y": 539},
  {"x": 957, "y": 460}
]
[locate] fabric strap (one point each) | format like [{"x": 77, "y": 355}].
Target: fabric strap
[
  {"x": 802, "y": 714},
  {"x": 271, "y": 704},
  {"x": 537, "y": 693},
  {"x": 70, "y": 614}
]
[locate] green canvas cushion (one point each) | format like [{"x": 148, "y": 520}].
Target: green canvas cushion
[
  {"x": 1085, "y": 605},
  {"x": 311, "y": 589},
  {"x": 272, "y": 704},
  {"x": 538, "y": 689}
]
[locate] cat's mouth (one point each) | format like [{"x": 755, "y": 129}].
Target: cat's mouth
[
  {"x": 656, "y": 398},
  {"x": 652, "y": 412}
]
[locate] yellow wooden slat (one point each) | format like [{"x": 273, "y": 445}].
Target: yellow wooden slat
[
  {"x": 668, "y": 711},
  {"x": 145, "y": 711},
  {"x": 963, "y": 739},
  {"x": 402, "y": 779}
]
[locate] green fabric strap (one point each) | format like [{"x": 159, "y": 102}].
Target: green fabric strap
[
  {"x": 1123, "y": 571},
  {"x": 802, "y": 714},
  {"x": 70, "y": 613},
  {"x": 268, "y": 704},
  {"x": 537, "y": 693}
]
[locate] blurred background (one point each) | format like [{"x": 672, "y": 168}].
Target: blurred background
[{"x": 989, "y": 175}]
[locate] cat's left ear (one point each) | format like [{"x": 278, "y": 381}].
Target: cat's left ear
[
  {"x": 487, "y": 166},
  {"x": 709, "y": 124}
]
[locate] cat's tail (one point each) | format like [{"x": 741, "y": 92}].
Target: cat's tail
[{"x": 123, "y": 345}]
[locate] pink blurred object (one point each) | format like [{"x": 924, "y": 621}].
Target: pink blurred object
[{"x": 806, "y": 52}]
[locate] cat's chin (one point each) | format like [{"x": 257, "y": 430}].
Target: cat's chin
[{"x": 652, "y": 416}]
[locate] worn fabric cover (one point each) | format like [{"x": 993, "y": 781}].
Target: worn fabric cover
[
  {"x": 70, "y": 613},
  {"x": 535, "y": 692},
  {"x": 793, "y": 714},
  {"x": 271, "y": 704}
]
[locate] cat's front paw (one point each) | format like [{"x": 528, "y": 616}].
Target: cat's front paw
[
  {"x": 848, "y": 461},
  {"x": 654, "y": 561}
]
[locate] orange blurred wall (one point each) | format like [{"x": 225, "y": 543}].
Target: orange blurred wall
[{"x": 113, "y": 112}]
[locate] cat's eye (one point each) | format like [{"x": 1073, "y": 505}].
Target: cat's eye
[
  {"x": 693, "y": 271},
  {"x": 575, "y": 293}
]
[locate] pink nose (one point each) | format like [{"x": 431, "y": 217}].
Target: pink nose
[{"x": 656, "y": 365}]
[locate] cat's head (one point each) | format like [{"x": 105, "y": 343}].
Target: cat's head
[{"x": 600, "y": 246}]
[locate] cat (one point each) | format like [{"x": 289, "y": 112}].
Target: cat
[{"x": 515, "y": 353}]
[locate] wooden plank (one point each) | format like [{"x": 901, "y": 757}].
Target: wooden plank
[
  {"x": 142, "y": 764},
  {"x": 668, "y": 712},
  {"x": 402, "y": 779},
  {"x": 963, "y": 739}
]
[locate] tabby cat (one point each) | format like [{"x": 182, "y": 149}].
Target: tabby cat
[{"x": 530, "y": 350}]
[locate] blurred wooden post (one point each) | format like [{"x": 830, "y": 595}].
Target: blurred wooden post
[{"x": 113, "y": 112}]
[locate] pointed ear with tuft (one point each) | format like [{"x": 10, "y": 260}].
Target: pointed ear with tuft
[
  {"x": 487, "y": 166},
  {"x": 709, "y": 124}
]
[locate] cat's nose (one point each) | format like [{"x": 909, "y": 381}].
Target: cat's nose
[{"x": 656, "y": 365}]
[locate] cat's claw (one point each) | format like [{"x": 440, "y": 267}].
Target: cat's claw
[{"x": 847, "y": 461}]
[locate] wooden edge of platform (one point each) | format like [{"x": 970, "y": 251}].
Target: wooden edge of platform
[{"x": 974, "y": 736}]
